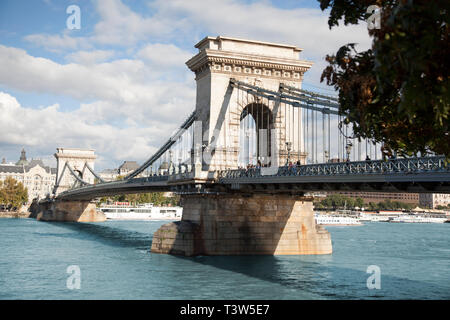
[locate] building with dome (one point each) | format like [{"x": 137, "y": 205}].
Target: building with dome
[{"x": 38, "y": 178}]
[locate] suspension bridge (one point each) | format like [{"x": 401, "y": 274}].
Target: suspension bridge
[{"x": 245, "y": 159}]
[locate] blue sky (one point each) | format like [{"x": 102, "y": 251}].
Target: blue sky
[{"x": 119, "y": 85}]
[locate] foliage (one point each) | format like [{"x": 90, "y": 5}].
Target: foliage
[
  {"x": 337, "y": 201},
  {"x": 398, "y": 92},
  {"x": 394, "y": 205},
  {"x": 359, "y": 203},
  {"x": 389, "y": 205},
  {"x": 12, "y": 193}
]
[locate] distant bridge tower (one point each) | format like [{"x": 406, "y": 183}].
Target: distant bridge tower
[
  {"x": 222, "y": 109},
  {"x": 71, "y": 162}
]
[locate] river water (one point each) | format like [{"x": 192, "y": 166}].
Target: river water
[{"x": 115, "y": 262}]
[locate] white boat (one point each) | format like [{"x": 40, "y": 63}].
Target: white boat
[
  {"x": 373, "y": 217},
  {"x": 418, "y": 219},
  {"x": 141, "y": 212},
  {"x": 333, "y": 220}
]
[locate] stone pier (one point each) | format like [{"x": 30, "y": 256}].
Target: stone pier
[
  {"x": 68, "y": 211},
  {"x": 238, "y": 225}
]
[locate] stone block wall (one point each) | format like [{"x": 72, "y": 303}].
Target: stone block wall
[
  {"x": 239, "y": 225},
  {"x": 68, "y": 211}
]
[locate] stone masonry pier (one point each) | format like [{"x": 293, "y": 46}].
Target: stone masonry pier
[
  {"x": 67, "y": 211},
  {"x": 235, "y": 224}
]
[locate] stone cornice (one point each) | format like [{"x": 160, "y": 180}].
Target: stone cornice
[
  {"x": 74, "y": 156},
  {"x": 219, "y": 61},
  {"x": 224, "y": 38},
  {"x": 260, "y": 61}
]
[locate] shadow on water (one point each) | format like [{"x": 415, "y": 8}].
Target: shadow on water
[
  {"x": 310, "y": 274},
  {"x": 104, "y": 234},
  {"x": 318, "y": 275}
]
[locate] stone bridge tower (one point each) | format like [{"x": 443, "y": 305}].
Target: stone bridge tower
[
  {"x": 221, "y": 107},
  {"x": 78, "y": 160}
]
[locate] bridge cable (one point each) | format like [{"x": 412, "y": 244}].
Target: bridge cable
[
  {"x": 58, "y": 181},
  {"x": 76, "y": 176},
  {"x": 93, "y": 172},
  {"x": 307, "y": 92},
  {"x": 290, "y": 99},
  {"x": 161, "y": 151},
  {"x": 313, "y": 98}
]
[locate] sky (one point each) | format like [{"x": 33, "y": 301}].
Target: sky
[{"x": 119, "y": 83}]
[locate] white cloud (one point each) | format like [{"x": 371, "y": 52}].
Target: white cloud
[
  {"x": 304, "y": 27},
  {"x": 165, "y": 55},
  {"x": 178, "y": 19},
  {"x": 48, "y": 128},
  {"x": 119, "y": 25},
  {"x": 90, "y": 57},
  {"x": 58, "y": 43},
  {"x": 121, "y": 88},
  {"x": 129, "y": 106}
]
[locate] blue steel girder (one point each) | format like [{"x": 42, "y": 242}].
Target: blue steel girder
[
  {"x": 391, "y": 166},
  {"x": 412, "y": 174},
  {"x": 137, "y": 185}
]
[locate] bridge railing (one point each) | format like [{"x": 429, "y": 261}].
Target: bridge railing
[{"x": 391, "y": 166}]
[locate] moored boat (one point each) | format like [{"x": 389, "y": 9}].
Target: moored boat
[
  {"x": 418, "y": 219},
  {"x": 141, "y": 212},
  {"x": 334, "y": 220}
]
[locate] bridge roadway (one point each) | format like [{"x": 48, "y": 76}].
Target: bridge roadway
[{"x": 428, "y": 174}]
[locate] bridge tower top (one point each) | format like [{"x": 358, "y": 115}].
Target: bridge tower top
[
  {"x": 248, "y": 58},
  {"x": 75, "y": 152},
  {"x": 220, "y": 108},
  {"x": 72, "y": 161}
]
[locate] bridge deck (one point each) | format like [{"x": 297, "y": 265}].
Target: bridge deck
[{"x": 430, "y": 174}]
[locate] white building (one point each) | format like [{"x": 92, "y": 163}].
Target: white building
[
  {"x": 38, "y": 178},
  {"x": 432, "y": 200},
  {"x": 108, "y": 174}
]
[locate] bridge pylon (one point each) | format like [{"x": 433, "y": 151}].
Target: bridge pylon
[
  {"x": 222, "y": 108},
  {"x": 244, "y": 224},
  {"x": 73, "y": 166}
]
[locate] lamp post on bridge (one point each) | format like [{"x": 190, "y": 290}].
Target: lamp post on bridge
[
  {"x": 288, "y": 147},
  {"x": 348, "y": 149}
]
